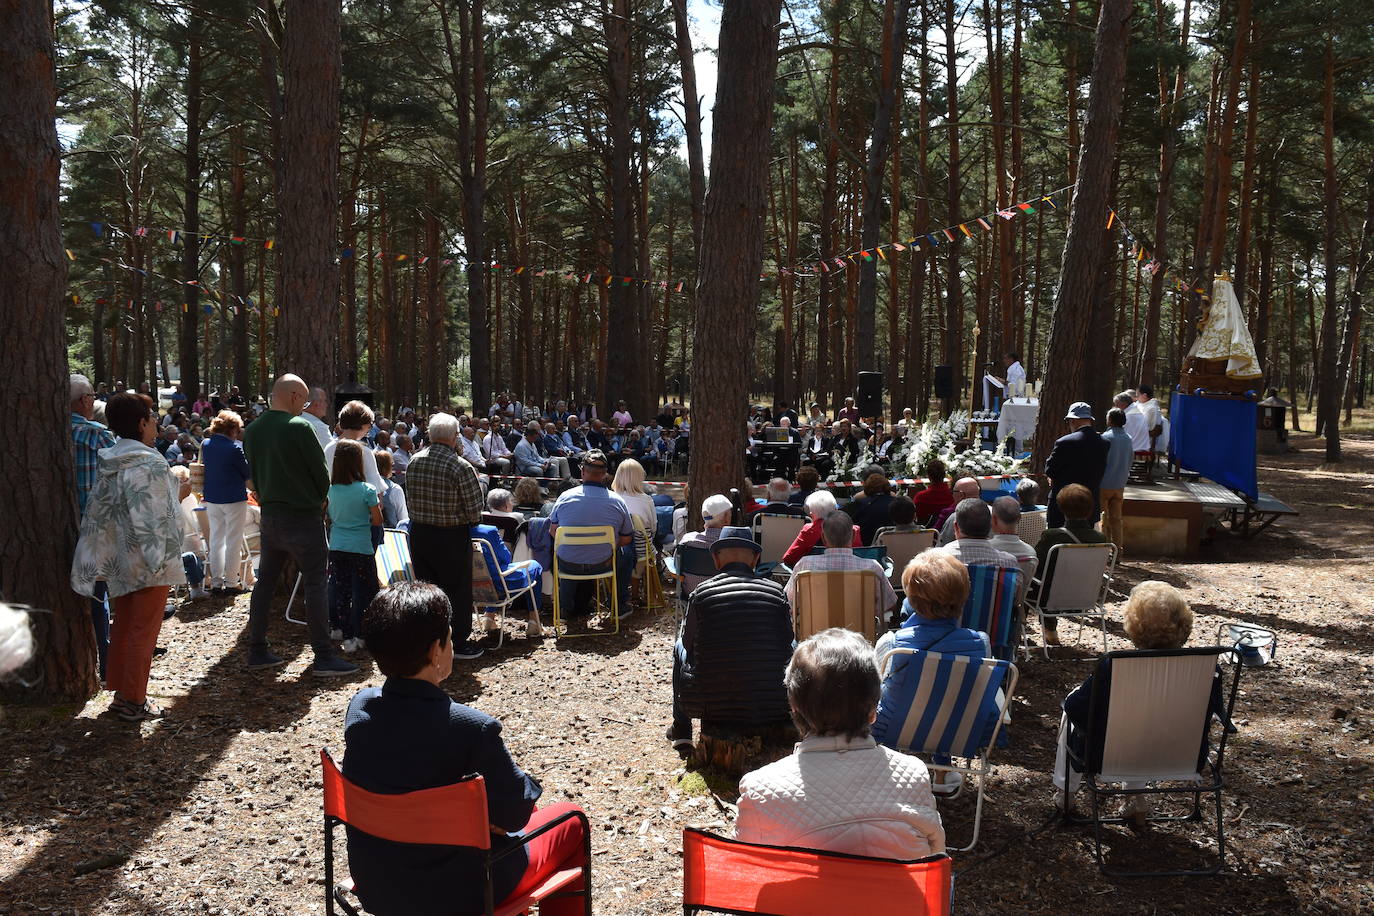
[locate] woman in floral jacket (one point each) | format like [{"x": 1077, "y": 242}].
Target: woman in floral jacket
[{"x": 131, "y": 540}]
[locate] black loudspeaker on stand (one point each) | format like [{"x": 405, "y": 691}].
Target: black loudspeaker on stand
[
  {"x": 869, "y": 398},
  {"x": 944, "y": 382}
]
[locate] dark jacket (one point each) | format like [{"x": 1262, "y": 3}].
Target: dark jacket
[
  {"x": 1079, "y": 457},
  {"x": 408, "y": 735},
  {"x": 738, "y": 639},
  {"x": 783, "y": 508},
  {"x": 870, "y": 513}
]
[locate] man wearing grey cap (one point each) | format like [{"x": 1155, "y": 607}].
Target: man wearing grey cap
[{"x": 1079, "y": 457}]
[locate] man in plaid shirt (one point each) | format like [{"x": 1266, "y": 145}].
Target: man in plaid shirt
[
  {"x": 445, "y": 501},
  {"x": 837, "y": 533},
  {"x": 972, "y": 525},
  {"x": 89, "y": 437}
]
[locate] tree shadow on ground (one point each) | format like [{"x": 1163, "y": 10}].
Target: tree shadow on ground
[{"x": 122, "y": 782}]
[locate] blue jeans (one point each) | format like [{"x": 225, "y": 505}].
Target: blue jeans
[
  {"x": 577, "y": 594},
  {"x": 195, "y": 569},
  {"x": 517, "y": 577}
]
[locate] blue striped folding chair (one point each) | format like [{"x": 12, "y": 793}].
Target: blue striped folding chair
[
  {"x": 946, "y": 706},
  {"x": 991, "y": 606},
  {"x": 494, "y": 589},
  {"x": 393, "y": 558}
]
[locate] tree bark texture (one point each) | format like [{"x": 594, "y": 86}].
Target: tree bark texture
[
  {"x": 36, "y": 556},
  {"x": 188, "y": 341},
  {"x": 880, "y": 141},
  {"x": 732, "y": 246},
  {"x": 1072, "y": 332},
  {"x": 691, "y": 119},
  {"x": 307, "y": 326}
]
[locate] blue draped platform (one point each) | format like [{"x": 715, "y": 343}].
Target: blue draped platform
[{"x": 1216, "y": 437}]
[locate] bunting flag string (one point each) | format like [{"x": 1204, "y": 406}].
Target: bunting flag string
[
  {"x": 1145, "y": 260},
  {"x": 823, "y": 266}
]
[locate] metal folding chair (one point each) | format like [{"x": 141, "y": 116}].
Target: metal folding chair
[
  {"x": 489, "y": 585},
  {"x": 948, "y": 706},
  {"x": 836, "y": 598},
  {"x": 586, "y": 536},
  {"x": 452, "y": 815},
  {"x": 1158, "y": 715},
  {"x": 903, "y": 546},
  {"x": 646, "y": 568},
  {"x": 1073, "y": 584}
]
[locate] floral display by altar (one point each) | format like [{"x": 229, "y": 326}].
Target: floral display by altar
[
  {"x": 852, "y": 473},
  {"x": 938, "y": 439}
]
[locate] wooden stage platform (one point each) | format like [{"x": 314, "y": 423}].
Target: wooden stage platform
[{"x": 1170, "y": 517}]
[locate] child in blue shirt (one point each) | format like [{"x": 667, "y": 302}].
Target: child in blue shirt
[{"x": 353, "y": 511}]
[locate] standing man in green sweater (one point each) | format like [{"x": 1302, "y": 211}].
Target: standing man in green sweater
[{"x": 288, "y": 469}]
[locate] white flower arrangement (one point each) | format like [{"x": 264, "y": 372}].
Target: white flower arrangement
[
  {"x": 852, "y": 473},
  {"x": 938, "y": 438}
]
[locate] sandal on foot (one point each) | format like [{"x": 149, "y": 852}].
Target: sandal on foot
[{"x": 136, "y": 712}]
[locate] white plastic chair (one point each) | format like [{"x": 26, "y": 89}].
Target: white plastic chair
[{"x": 1081, "y": 575}]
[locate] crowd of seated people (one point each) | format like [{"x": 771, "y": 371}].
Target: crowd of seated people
[{"x": 735, "y": 662}]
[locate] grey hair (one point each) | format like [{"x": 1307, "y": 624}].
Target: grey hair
[
  {"x": 530, "y": 427},
  {"x": 820, "y": 502},
  {"x": 1122, "y": 398},
  {"x": 1028, "y": 491},
  {"x": 837, "y": 529},
  {"x": 779, "y": 489},
  {"x": 81, "y": 386},
  {"x": 1007, "y": 510},
  {"x": 443, "y": 427},
  {"x": 500, "y": 499},
  {"x": 973, "y": 517},
  {"x": 832, "y": 684}
]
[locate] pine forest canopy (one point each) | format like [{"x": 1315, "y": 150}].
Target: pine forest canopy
[{"x": 512, "y": 207}]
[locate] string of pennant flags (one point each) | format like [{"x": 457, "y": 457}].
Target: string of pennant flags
[
  {"x": 818, "y": 268},
  {"x": 1146, "y": 262}
]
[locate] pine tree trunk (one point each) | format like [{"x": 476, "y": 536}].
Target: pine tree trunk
[
  {"x": 893, "y": 41},
  {"x": 691, "y": 121},
  {"x": 188, "y": 341},
  {"x": 1169, "y": 93},
  {"x": 954, "y": 292},
  {"x": 307, "y": 327},
  {"x": 1073, "y": 333},
  {"x": 36, "y": 550},
  {"x": 732, "y": 245},
  {"x": 1328, "y": 386},
  {"x": 623, "y": 375}
]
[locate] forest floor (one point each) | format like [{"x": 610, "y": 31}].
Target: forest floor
[{"x": 216, "y": 809}]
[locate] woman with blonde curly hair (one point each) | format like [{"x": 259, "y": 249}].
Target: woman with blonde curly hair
[
  {"x": 1157, "y": 616},
  {"x": 936, "y": 585}
]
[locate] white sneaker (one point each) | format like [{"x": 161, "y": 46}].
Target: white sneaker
[
  {"x": 197, "y": 593},
  {"x": 946, "y": 783},
  {"x": 490, "y": 624},
  {"x": 533, "y": 628},
  {"x": 336, "y": 634},
  {"x": 351, "y": 645}
]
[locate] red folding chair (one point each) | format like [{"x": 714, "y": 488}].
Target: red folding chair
[
  {"x": 454, "y": 815},
  {"x": 724, "y": 875}
]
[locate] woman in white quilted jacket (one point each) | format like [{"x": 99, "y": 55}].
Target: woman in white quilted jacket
[{"x": 840, "y": 791}]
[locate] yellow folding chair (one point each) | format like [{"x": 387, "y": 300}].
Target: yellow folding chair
[
  {"x": 646, "y": 568},
  {"x": 586, "y": 536},
  {"x": 837, "y": 598},
  {"x": 393, "y": 558}
]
